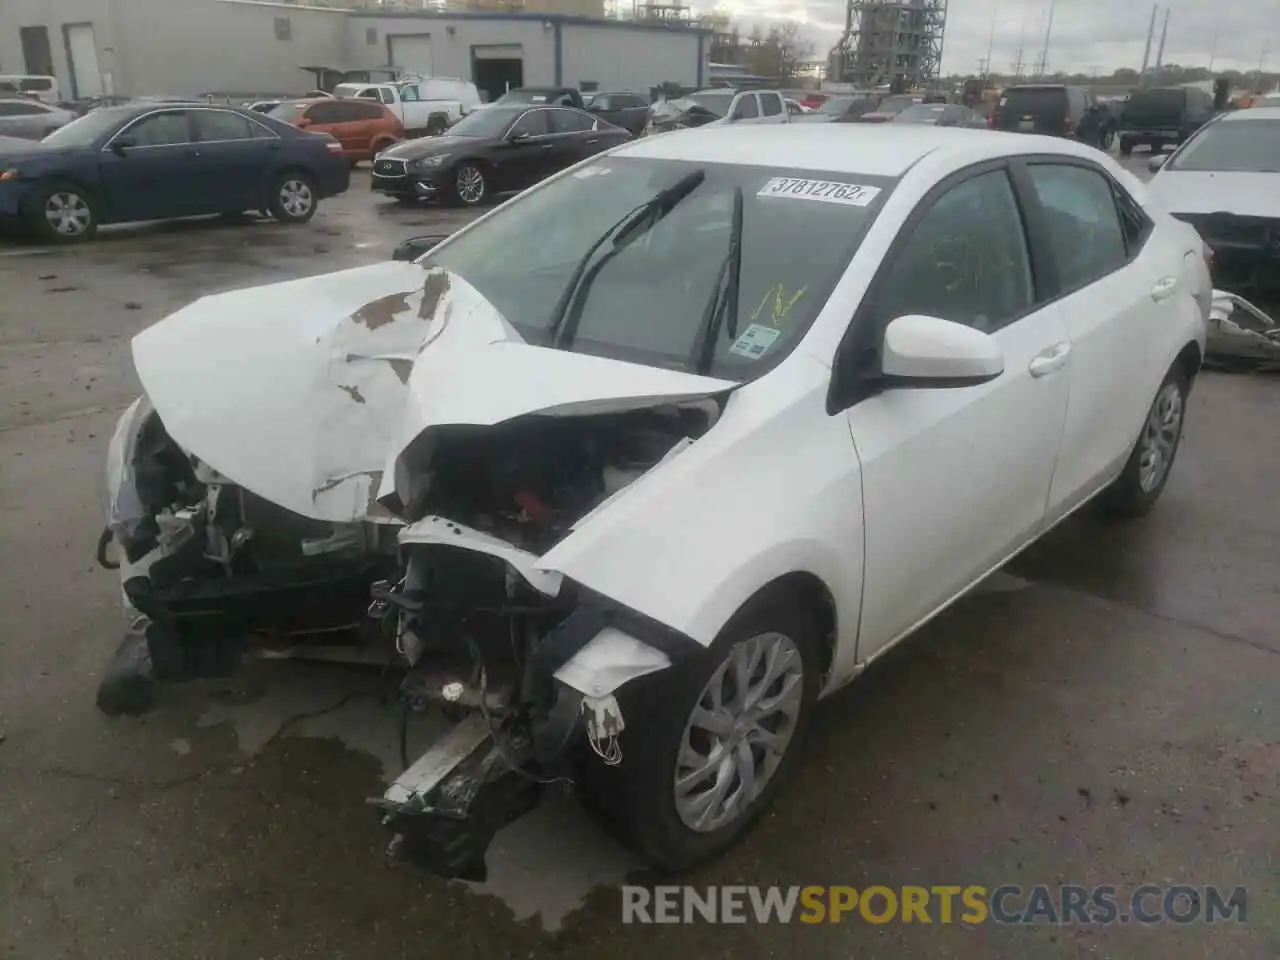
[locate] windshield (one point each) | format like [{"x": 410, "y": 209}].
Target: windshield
[
  {"x": 717, "y": 103},
  {"x": 287, "y": 111},
  {"x": 647, "y": 301},
  {"x": 921, "y": 113},
  {"x": 492, "y": 122},
  {"x": 87, "y": 130},
  {"x": 1233, "y": 146}
]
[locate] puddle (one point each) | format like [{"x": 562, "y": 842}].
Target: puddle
[{"x": 543, "y": 866}]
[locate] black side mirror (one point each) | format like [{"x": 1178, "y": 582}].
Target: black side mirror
[
  {"x": 120, "y": 144},
  {"x": 416, "y": 247},
  {"x": 515, "y": 137}
]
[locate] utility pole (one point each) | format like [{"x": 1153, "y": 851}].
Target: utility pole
[
  {"x": 1146, "y": 52},
  {"x": 991, "y": 40},
  {"x": 1164, "y": 32},
  {"x": 1017, "y": 63},
  {"x": 1048, "y": 33},
  {"x": 1213, "y": 52}
]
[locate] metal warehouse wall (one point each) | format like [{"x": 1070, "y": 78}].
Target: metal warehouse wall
[
  {"x": 632, "y": 59},
  {"x": 52, "y": 15},
  {"x": 189, "y": 47},
  {"x": 452, "y": 40}
]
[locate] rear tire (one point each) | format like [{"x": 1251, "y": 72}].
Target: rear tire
[
  {"x": 293, "y": 197},
  {"x": 1140, "y": 484},
  {"x": 638, "y": 800},
  {"x": 1126, "y": 147}
]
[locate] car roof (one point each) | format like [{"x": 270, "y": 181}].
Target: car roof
[
  {"x": 881, "y": 150},
  {"x": 1253, "y": 113}
]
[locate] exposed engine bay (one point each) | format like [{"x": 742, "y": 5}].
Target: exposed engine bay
[{"x": 214, "y": 575}]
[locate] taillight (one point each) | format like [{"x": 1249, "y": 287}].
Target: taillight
[
  {"x": 1208, "y": 256},
  {"x": 333, "y": 146},
  {"x": 991, "y": 120},
  {"x": 1069, "y": 125}
]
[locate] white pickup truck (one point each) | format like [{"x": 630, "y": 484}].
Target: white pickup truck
[{"x": 425, "y": 106}]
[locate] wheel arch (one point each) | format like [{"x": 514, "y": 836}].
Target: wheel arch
[
  {"x": 1189, "y": 360},
  {"x": 812, "y": 593}
]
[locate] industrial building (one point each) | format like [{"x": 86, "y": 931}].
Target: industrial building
[
  {"x": 248, "y": 48},
  {"x": 890, "y": 42}
]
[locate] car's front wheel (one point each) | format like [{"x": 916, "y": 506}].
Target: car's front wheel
[
  {"x": 63, "y": 213},
  {"x": 1142, "y": 481},
  {"x": 708, "y": 743},
  {"x": 470, "y": 184},
  {"x": 293, "y": 198}
]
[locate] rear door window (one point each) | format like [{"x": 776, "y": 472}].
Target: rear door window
[
  {"x": 569, "y": 121},
  {"x": 368, "y": 111},
  {"x": 770, "y": 104},
  {"x": 328, "y": 112},
  {"x": 1085, "y": 231},
  {"x": 746, "y": 109},
  {"x": 214, "y": 125},
  {"x": 533, "y": 124}
]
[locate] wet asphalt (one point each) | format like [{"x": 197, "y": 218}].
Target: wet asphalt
[{"x": 1105, "y": 711}]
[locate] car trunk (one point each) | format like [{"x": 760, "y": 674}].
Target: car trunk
[{"x": 1033, "y": 110}]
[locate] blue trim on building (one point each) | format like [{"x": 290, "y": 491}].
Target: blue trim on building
[
  {"x": 556, "y": 19},
  {"x": 559, "y": 28}
]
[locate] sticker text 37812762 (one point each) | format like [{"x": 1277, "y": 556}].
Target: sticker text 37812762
[{"x": 823, "y": 191}]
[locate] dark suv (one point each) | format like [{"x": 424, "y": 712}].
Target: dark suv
[
  {"x": 1163, "y": 116},
  {"x": 1056, "y": 110}
]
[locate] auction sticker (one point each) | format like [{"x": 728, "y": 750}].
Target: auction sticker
[
  {"x": 824, "y": 191},
  {"x": 755, "y": 340}
]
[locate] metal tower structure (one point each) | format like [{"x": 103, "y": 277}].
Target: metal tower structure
[{"x": 895, "y": 42}]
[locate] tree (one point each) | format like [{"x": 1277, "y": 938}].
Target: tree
[{"x": 779, "y": 52}]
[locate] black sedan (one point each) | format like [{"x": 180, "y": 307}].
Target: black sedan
[
  {"x": 942, "y": 115},
  {"x": 495, "y": 150},
  {"x": 158, "y": 161}
]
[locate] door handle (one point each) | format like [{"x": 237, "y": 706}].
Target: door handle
[
  {"x": 1046, "y": 362},
  {"x": 193, "y": 153},
  {"x": 1165, "y": 287},
  {"x": 593, "y": 140},
  {"x": 547, "y": 146}
]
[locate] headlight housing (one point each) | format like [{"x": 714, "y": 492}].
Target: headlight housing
[{"x": 429, "y": 163}]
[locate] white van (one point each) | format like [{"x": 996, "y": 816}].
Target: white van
[{"x": 42, "y": 88}]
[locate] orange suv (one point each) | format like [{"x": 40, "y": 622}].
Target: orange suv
[{"x": 364, "y": 128}]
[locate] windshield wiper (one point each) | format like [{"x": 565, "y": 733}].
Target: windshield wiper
[
  {"x": 568, "y": 312},
  {"x": 724, "y": 299}
]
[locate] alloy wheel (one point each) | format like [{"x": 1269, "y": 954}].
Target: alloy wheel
[
  {"x": 738, "y": 732},
  {"x": 296, "y": 197},
  {"x": 1160, "y": 437},
  {"x": 68, "y": 214},
  {"x": 470, "y": 184}
]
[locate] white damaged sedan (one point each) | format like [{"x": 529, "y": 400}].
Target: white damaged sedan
[{"x": 631, "y": 471}]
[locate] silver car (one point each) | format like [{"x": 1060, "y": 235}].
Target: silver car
[{"x": 30, "y": 119}]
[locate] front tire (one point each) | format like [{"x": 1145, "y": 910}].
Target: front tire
[
  {"x": 470, "y": 184},
  {"x": 293, "y": 198},
  {"x": 1126, "y": 147},
  {"x": 63, "y": 213},
  {"x": 709, "y": 742},
  {"x": 1140, "y": 484},
  {"x": 1106, "y": 139}
]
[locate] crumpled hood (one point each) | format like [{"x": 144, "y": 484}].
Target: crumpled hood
[
  {"x": 305, "y": 391},
  {"x": 1196, "y": 192}
]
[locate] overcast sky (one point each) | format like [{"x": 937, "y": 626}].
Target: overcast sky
[{"x": 1087, "y": 34}]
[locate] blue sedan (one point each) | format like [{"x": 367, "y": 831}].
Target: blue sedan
[{"x": 157, "y": 161}]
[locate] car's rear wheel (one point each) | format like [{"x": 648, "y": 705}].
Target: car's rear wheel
[
  {"x": 293, "y": 198},
  {"x": 1126, "y": 146},
  {"x": 1106, "y": 139},
  {"x": 709, "y": 742},
  {"x": 63, "y": 213},
  {"x": 1142, "y": 481},
  {"x": 470, "y": 184}
]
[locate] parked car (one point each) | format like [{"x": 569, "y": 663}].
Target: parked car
[
  {"x": 795, "y": 108},
  {"x": 1225, "y": 181},
  {"x": 540, "y": 96},
  {"x": 888, "y": 108},
  {"x": 1054, "y": 109},
  {"x": 263, "y": 106},
  {"x": 424, "y": 107},
  {"x": 566, "y": 416},
  {"x": 364, "y": 128},
  {"x": 492, "y": 151},
  {"x": 31, "y": 119},
  {"x": 37, "y": 86},
  {"x": 942, "y": 115},
  {"x": 156, "y": 162},
  {"x": 843, "y": 109},
  {"x": 1165, "y": 116},
  {"x": 627, "y": 110}
]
